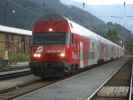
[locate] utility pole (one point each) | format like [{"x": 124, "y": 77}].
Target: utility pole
[
  {"x": 84, "y": 3},
  {"x": 124, "y": 5},
  {"x": 43, "y": 4}
]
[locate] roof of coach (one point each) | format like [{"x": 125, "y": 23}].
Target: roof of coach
[
  {"x": 14, "y": 30},
  {"x": 91, "y": 34}
]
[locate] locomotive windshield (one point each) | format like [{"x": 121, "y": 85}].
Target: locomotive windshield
[{"x": 50, "y": 38}]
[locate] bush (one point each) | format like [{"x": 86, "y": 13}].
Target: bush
[
  {"x": 18, "y": 57},
  {"x": 2, "y": 52}
]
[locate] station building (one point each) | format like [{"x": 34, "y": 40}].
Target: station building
[{"x": 14, "y": 43}]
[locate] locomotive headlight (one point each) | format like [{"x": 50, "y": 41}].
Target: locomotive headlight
[
  {"x": 37, "y": 55},
  {"x": 62, "y": 54}
]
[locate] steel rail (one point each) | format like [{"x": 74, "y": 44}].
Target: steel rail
[
  {"x": 104, "y": 82},
  {"x": 131, "y": 85},
  {"x": 16, "y": 73}
]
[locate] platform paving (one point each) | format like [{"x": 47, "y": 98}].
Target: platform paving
[{"x": 78, "y": 87}]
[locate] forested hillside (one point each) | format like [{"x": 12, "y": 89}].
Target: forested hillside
[{"x": 23, "y": 14}]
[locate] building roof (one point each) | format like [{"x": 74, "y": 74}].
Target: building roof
[{"x": 13, "y": 30}]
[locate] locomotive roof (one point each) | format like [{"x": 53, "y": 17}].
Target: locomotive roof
[{"x": 13, "y": 30}]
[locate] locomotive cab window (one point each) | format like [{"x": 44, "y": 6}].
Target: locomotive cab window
[{"x": 50, "y": 38}]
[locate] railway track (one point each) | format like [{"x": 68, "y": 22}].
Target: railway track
[
  {"x": 14, "y": 73},
  {"x": 119, "y": 87},
  {"x": 20, "y": 90},
  {"x": 11, "y": 93}
]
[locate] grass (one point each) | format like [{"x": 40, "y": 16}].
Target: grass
[{"x": 18, "y": 57}]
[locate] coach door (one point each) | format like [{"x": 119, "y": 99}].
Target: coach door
[
  {"x": 81, "y": 55},
  {"x": 92, "y": 52}
]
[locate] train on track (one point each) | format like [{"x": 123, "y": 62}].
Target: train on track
[{"x": 60, "y": 46}]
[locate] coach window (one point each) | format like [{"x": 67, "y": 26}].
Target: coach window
[
  {"x": 75, "y": 43},
  {"x": 23, "y": 43},
  {"x": 72, "y": 39},
  {"x": 7, "y": 41},
  {"x": 12, "y": 43},
  {"x": 92, "y": 50}
]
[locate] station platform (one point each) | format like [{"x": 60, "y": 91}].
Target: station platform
[
  {"x": 14, "y": 71},
  {"x": 78, "y": 87},
  {"x": 20, "y": 64},
  {"x": 16, "y": 66}
]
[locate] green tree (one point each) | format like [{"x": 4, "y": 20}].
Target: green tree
[
  {"x": 129, "y": 45},
  {"x": 112, "y": 35}
]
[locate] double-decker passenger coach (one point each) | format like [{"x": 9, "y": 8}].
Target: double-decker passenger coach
[{"x": 61, "y": 46}]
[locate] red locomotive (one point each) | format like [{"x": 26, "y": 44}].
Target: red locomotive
[{"x": 60, "y": 45}]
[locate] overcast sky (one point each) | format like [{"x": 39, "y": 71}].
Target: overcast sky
[
  {"x": 105, "y": 2},
  {"x": 108, "y": 10},
  {"x": 99, "y": 2}
]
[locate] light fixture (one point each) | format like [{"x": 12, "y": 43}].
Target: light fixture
[
  {"x": 50, "y": 29},
  {"x": 36, "y": 55},
  {"x": 62, "y": 55}
]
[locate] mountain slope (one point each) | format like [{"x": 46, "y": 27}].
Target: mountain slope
[{"x": 28, "y": 11}]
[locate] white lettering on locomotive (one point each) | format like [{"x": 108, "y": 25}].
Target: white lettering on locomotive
[{"x": 39, "y": 49}]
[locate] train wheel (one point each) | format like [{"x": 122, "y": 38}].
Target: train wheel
[
  {"x": 101, "y": 61},
  {"x": 75, "y": 68}
]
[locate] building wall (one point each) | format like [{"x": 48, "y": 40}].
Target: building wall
[
  {"x": 2, "y": 45},
  {"x": 14, "y": 44}
]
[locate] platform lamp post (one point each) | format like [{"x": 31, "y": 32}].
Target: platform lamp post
[
  {"x": 6, "y": 11},
  {"x": 13, "y": 11}
]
